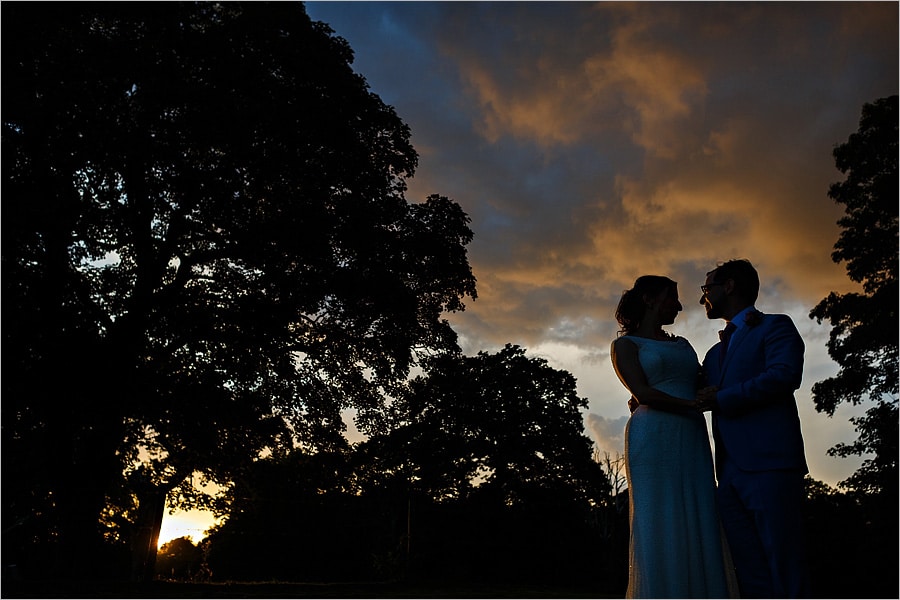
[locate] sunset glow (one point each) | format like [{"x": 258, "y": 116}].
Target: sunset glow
[
  {"x": 192, "y": 524},
  {"x": 591, "y": 143}
]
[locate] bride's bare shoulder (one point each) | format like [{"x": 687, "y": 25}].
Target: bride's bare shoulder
[{"x": 622, "y": 343}]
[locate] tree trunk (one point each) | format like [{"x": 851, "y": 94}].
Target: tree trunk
[{"x": 151, "y": 508}]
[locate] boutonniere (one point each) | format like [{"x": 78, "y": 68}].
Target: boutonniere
[{"x": 753, "y": 318}]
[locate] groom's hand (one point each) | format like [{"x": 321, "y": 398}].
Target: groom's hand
[
  {"x": 706, "y": 398},
  {"x": 633, "y": 404}
]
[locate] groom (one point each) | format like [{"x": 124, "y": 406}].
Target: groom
[{"x": 760, "y": 461}]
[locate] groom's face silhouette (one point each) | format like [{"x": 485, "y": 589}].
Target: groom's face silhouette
[{"x": 713, "y": 297}]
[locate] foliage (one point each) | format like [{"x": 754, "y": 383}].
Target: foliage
[
  {"x": 482, "y": 473},
  {"x": 488, "y": 455},
  {"x": 502, "y": 424},
  {"x": 295, "y": 518},
  {"x": 208, "y": 252},
  {"x": 611, "y": 520},
  {"x": 863, "y": 338},
  {"x": 180, "y": 560},
  {"x": 852, "y": 551}
]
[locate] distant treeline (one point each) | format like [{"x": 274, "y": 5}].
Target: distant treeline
[{"x": 307, "y": 536}]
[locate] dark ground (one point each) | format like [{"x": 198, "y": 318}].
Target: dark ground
[{"x": 161, "y": 589}]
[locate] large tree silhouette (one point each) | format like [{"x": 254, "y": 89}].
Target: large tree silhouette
[
  {"x": 863, "y": 338},
  {"x": 864, "y": 335},
  {"x": 207, "y": 253}
]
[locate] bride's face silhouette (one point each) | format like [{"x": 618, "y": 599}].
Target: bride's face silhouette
[{"x": 668, "y": 306}]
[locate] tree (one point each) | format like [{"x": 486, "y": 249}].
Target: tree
[
  {"x": 208, "y": 254},
  {"x": 612, "y": 521},
  {"x": 863, "y": 339},
  {"x": 479, "y": 471},
  {"x": 503, "y": 422},
  {"x": 296, "y": 517},
  {"x": 489, "y": 469},
  {"x": 179, "y": 559},
  {"x": 843, "y": 542}
]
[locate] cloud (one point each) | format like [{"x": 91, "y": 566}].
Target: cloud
[
  {"x": 593, "y": 142},
  {"x": 709, "y": 133},
  {"x": 608, "y": 434}
]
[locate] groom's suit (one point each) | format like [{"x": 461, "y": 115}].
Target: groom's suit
[{"x": 760, "y": 461}]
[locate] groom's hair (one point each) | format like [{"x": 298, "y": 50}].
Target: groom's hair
[{"x": 745, "y": 277}]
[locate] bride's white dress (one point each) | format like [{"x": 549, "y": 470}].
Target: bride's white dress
[{"x": 676, "y": 547}]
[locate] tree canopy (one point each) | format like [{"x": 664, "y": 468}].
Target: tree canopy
[
  {"x": 208, "y": 252},
  {"x": 504, "y": 425},
  {"x": 863, "y": 339},
  {"x": 482, "y": 469}
]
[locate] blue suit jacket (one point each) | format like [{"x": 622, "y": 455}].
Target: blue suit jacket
[{"x": 757, "y": 422}]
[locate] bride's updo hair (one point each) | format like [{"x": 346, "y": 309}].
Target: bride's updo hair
[{"x": 633, "y": 306}]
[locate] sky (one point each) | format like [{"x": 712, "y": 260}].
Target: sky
[{"x": 594, "y": 142}]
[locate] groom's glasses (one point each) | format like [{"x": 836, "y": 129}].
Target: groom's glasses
[{"x": 705, "y": 288}]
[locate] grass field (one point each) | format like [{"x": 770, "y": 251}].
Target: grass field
[{"x": 161, "y": 589}]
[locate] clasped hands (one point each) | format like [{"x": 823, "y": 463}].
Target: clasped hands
[{"x": 706, "y": 400}]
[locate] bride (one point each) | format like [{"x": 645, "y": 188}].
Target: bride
[{"x": 676, "y": 547}]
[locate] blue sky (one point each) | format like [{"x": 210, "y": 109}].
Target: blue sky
[{"x": 591, "y": 143}]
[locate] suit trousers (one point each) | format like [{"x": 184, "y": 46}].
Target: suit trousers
[{"x": 762, "y": 513}]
